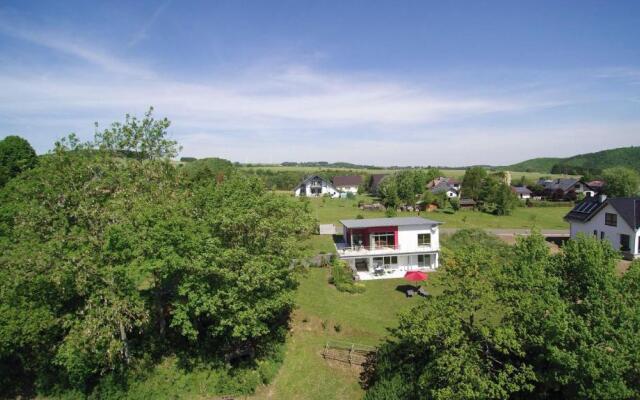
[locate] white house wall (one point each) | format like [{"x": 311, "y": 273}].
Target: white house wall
[
  {"x": 345, "y": 189},
  {"x": 324, "y": 190},
  {"x": 408, "y": 236},
  {"x": 611, "y": 233}
]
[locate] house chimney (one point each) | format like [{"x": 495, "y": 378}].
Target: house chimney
[{"x": 602, "y": 198}]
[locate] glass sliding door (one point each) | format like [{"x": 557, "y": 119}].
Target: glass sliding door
[{"x": 385, "y": 240}]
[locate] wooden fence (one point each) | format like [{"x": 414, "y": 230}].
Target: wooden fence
[{"x": 352, "y": 353}]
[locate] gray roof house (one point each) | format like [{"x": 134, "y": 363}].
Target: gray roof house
[
  {"x": 616, "y": 220},
  {"x": 445, "y": 187},
  {"x": 566, "y": 185}
]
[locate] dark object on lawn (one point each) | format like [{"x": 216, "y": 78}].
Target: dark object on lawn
[
  {"x": 410, "y": 293},
  {"x": 422, "y": 292}
]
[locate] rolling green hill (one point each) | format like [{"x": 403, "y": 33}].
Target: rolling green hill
[
  {"x": 543, "y": 164},
  {"x": 590, "y": 163}
]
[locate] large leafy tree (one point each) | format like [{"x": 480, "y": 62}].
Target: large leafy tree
[
  {"x": 621, "y": 182},
  {"x": 472, "y": 182},
  {"x": 16, "y": 155},
  {"x": 533, "y": 325},
  {"x": 106, "y": 261},
  {"x": 454, "y": 345}
]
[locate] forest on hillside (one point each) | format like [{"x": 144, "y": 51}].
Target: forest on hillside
[{"x": 591, "y": 164}]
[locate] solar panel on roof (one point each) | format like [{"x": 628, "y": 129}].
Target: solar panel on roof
[{"x": 586, "y": 207}]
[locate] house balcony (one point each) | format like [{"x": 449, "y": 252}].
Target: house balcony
[{"x": 345, "y": 250}]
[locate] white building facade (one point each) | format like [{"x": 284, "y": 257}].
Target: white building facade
[
  {"x": 380, "y": 248},
  {"x": 615, "y": 220},
  {"x": 315, "y": 186}
]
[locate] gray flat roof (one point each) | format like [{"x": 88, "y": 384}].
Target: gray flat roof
[{"x": 397, "y": 221}]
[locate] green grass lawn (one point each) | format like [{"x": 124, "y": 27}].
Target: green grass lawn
[
  {"x": 363, "y": 319},
  {"x": 332, "y": 210}
]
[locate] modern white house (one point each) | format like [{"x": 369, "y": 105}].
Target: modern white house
[
  {"x": 616, "y": 220},
  {"x": 347, "y": 183},
  {"x": 379, "y": 248},
  {"x": 315, "y": 186}
]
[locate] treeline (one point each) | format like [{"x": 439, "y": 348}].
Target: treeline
[
  {"x": 325, "y": 164},
  {"x": 591, "y": 164},
  {"x": 109, "y": 265},
  {"x": 288, "y": 180},
  {"x": 491, "y": 191},
  {"x": 517, "y": 323},
  {"x": 405, "y": 187},
  {"x": 408, "y": 187}
]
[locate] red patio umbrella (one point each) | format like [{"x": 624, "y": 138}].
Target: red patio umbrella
[{"x": 415, "y": 276}]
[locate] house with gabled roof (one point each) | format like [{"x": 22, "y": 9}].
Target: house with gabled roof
[
  {"x": 616, "y": 220},
  {"x": 565, "y": 188},
  {"x": 315, "y": 186},
  {"x": 522, "y": 192},
  {"x": 347, "y": 183},
  {"x": 445, "y": 187}
]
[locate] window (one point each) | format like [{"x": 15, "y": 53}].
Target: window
[
  {"x": 357, "y": 239},
  {"x": 601, "y": 235},
  {"x": 386, "y": 262},
  {"x": 610, "y": 219},
  {"x": 382, "y": 240},
  {"x": 624, "y": 242},
  {"x": 424, "y": 239},
  {"x": 424, "y": 260},
  {"x": 595, "y": 232}
]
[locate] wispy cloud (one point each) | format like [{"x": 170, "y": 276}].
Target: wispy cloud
[
  {"x": 142, "y": 33},
  {"x": 70, "y": 45},
  {"x": 292, "y": 111}
]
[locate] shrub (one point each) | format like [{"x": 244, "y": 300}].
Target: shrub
[
  {"x": 543, "y": 203},
  {"x": 342, "y": 278},
  {"x": 359, "y": 216},
  {"x": 455, "y": 203},
  {"x": 391, "y": 212},
  {"x": 337, "y": 327}
]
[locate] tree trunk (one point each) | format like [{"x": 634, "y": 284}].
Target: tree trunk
[{"x": 123, "y": 337}]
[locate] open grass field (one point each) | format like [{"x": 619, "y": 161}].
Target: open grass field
[
  {"x": 332, "y": 210},
  {"x": 453, "y": 173},
  {"x": 363, "y": 319}
]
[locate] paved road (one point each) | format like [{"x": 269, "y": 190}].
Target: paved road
[{"x": 514, "y": 232}]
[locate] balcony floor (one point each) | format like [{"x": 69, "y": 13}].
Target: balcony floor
[{"x": 398, "y": 273}]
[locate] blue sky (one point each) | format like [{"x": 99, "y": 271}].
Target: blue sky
[{"x": 387, "y": 83}]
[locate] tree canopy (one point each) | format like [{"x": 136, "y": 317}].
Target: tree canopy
[
  {"x": 108, "y": 264},
  {"x": 621, "y": 182},
  {"x": 16, "y": 156},
  {"x": 533, "y": 325}
]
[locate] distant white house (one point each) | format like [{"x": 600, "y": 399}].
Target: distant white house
[
  {"x": 445, "y": 187},
  {"x": 616, "y": 220},
  {"x": 522, "y": 192},
  {"x": 378, "y": 248},
  {"x": 347, "y": 183},
  {"x": 315, "y": 186}
]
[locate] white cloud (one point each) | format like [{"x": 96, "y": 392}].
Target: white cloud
[
  {"x": 289, "y": 112},
  {"x": 69, "y": 45}
]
